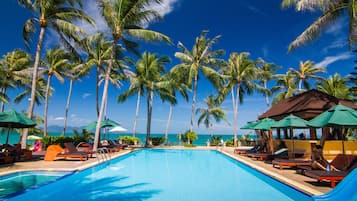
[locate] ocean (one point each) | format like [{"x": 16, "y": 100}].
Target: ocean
[{"x": 14, "y": 138}]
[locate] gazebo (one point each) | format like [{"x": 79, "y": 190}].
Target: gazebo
[{"x": 306, "y": 105}]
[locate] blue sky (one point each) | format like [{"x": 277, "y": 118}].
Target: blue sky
[{"x": 261, "y": 28}]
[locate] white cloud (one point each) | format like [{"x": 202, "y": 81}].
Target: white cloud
[
  {"x": 331, "y": 59},
  {"x": 339, "y": 43},
  {"x": 256, "y": 10},
  {"x": 337, "y": 27},
  {"x": 59, "y": 118},
  {"x": 85, "y": 95}
]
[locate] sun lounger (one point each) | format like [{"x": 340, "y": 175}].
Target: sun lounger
[
  {"x": 55, "y": 151},
  {"x": 290, "y": 162},
  {"x": 333, "y": 176},
  {"x": 340, "y": 163},
  {"x": 106, "y": 144},
  {"x": 322, "y": 175},
  {"x": 265, "y": 156},
  {"x": 72, "y": 149},
  {"x": 117, "y": 144}
]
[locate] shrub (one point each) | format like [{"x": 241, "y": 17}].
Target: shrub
[
  {"x": 130, "y": 140},
  {"x": 157, "y": 140},
  {"x": 189, "y": 145},
  {"x": 215, "y": 140},
  {"x": 188, "y": 135},
  {"x": 230, "y": 143}
]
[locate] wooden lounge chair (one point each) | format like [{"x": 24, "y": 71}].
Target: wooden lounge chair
[
  {"x": 340, "y": 163},
  {"x": 332, "y": 176},
  {"x": 246, "y": 150},
  {"x": 265, "y": 156},
  {"x": 291, "y": 163},
  {"x": 117, "y": 144},
  {"x": 72, "y": 149},
  {"x": 55, "y": 151},
  {"x": 106, "y": 144}
]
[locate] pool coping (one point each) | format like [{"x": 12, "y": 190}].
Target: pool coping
[{"x": 294, "y": 184}]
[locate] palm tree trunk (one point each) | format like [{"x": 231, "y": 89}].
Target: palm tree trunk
[
  {"x": 97, "y": 91},
  {"x": 136, "y": 112},
  {"x": 3, "y": 91},
  {"x": 67, "y": 106},
  {"x": 235, "y": 114},
  {"x": 46, "y": 105},
  {"x": 210, "y": 126},
  {"x": 104, "y": 98},
  {"x": 193, "y": 105},
  {"x": 300, "y": 85},
  {"x": 168, "y": 124},
  {"x": 33, "y": 87},
  {"x": 266, "y": 94},
  {"x": 149, "y": 112}
]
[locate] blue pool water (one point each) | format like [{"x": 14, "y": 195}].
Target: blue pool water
[
  {"x": 18, "y": 182},
  {"x": 166, "y": 175}
]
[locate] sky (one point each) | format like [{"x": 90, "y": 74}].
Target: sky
[{"x": 261, "y": 28}]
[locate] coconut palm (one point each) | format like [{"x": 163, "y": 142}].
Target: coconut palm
[
  {"x": 307, "y": 70},
  {"x": 286, "y": 85},
  {"x": 266, "y": 73},
  {"x": 125, "y": 18},
  {"x": 149, "y": 70},
  {"x": 176, "y": 83},
  {"x": 213, "y": 110},
  {"x": 200, "y": 58},
  {"x": 240, "y": 74},
  {"x": 57, "y": 15},
  {"x": 98, "y": 49},
  {"x": 56, "y": 64},
  {"x": 332, "y": 10},
  {"x": 40, "y": 92},
  {"x": 14, "y": 72},
  {"x": 335, "y": 86},
  {"x": 78, "y": 70}
]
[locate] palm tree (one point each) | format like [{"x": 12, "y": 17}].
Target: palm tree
[
  {"x": 40, "y": 92},
  {"x": 13, "y": 72},
  {"x": 176, "y": 83},
  {"x": 240, "y": 74},
  {"x": 335, "y": 86},
  {"x": 286, "y": 85},
  {"x": 332, "y": 10},
  {"x": 57, "y": 15},
  {"x": 98, "y": 49},
  {"x": 125, "y": 19},
  {"x": 149, "y": 69},
  {"x": 213, "y": 110},
  {"x": 57, "y": 64},
  {"x": 200, "y": 58},
  {"x": 76, "y": 72},
  {"x": 307, "y": 70},
  {"x": 266, "y": 73}
]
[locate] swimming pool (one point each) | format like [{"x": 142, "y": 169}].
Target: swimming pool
[
  {"x": 12, "y": 184},
  {"x": 166, "y": 175}
]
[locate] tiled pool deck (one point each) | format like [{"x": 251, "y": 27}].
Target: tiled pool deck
[{"x": 289, "y": 176}]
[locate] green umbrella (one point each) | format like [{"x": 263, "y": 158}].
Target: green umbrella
[
  {"x": 107, "y": 123},
  {"x": 291, "y": 122},
  {"x": 12, "y": 119},
  {"x": 250, "y": 125},
  {"x": 338, "y": 116},
  {"x": 264, "y": 124}
]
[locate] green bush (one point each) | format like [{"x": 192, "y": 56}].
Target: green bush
[
  {"x": 130, "y": 140},
  {"x": 215, "y": 140},
  {"x": 188, "y": 135},
  {"x": 230, "y": 143},
  {"x": 157, "y": 140}
]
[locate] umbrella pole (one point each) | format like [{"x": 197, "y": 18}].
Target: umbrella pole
[{"x": 7, "y": 137}]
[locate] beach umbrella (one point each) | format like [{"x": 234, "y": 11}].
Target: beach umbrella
[
  {"x": 107, "y": 123},
  {"x": 338, "y": 116},
  {"x": 12, "y": 119},
  {"x": 118, "y": 129},
  {"x": 291, "y": 122},
  {"x": 250, "y": 125},
  {"x": 34, "y": 137},
  {"x": 264, "y": 124}
]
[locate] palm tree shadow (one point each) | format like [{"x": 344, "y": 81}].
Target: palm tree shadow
[{"x": 109, "y": 188}]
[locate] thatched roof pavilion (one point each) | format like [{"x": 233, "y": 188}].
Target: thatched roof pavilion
[{"x": 306, "y": 105}]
